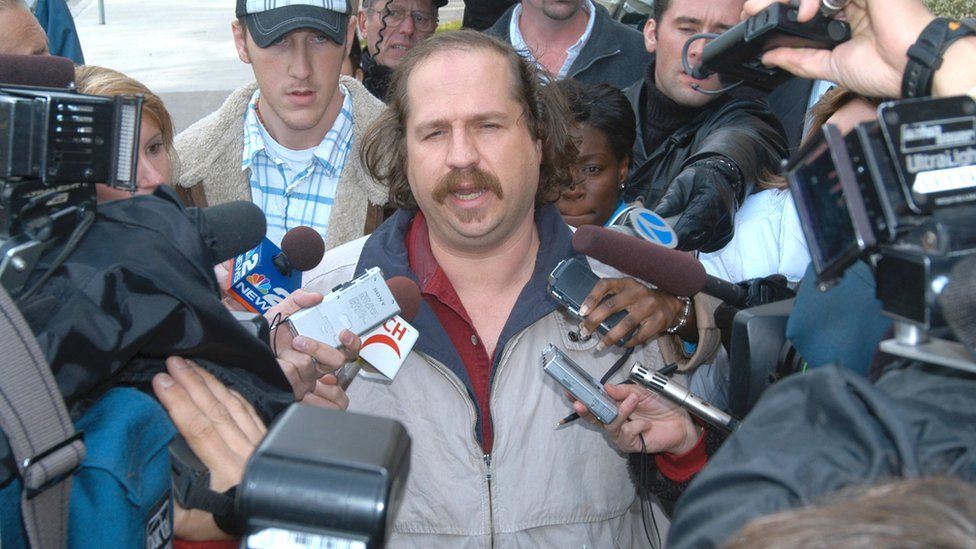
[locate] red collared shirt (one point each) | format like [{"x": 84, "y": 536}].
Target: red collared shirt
[{"x": 440, "y": 296}]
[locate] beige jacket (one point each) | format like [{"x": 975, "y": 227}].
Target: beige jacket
[
  {"x": 543, "y": 488},
  {"x": 210, "y": 152}
]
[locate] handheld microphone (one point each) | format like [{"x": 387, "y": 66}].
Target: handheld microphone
[
  {"x": 230, "y": 229},
  {"x": 264, "y": 276},
  {"x": 636, "y": 220},
  {"x": 43, "y": 71},
  {"x": 681, "y": 396},
  {"x": 674, "y": 271},
  {"x": 386, "y": 347}
]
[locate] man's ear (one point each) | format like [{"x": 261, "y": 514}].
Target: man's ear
[
  {"x": 650, "y": 35},
  {"x": 350, "y": 35},
  {"x": 361, "y": 16},
  {"x": 240, "y": 40}
]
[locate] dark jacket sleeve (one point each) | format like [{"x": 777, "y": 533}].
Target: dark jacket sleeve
[{"x": 816, "y": 433}]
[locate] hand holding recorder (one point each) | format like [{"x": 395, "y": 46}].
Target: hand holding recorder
[
  {"x": 641, "y": 413},
  {"x": 873, "y": 61}
]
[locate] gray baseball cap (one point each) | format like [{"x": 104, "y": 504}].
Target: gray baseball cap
[{"x": 269, "y": 20}]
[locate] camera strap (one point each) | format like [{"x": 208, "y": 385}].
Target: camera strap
[{"x": 42, "y": 438}]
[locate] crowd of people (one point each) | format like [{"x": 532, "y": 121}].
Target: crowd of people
[{"x": 464, "y": 160}]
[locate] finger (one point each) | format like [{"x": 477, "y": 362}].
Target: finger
[
  {"x": 328, "y": 357},
  {"x": 625, "y": 327},
  {"x": 213, "y": 399},
  {"x": 802, "y": 62},
  {"x": 296, "y": 301},
  {"x": 191, "y": 421},
  {"x": 624, "y": 410},
  {"x": 327, "y": 394},
  {"x": 351, "y": 344},
  {"x": 300, "y": 370},
  {"x": 250, "y": 422},
  {"x": 600, "y": 290}
]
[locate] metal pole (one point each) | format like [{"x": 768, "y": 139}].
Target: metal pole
[{"x": 101, "y": 12}]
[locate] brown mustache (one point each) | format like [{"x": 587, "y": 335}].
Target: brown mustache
[{"x": 468, "y": 178}]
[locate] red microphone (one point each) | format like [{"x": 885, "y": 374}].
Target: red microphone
[{"x": 676, "y": 272}]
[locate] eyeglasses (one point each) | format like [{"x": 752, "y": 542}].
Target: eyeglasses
[{"x": 393, "y": 16}]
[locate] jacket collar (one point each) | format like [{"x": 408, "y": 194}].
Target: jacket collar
[
  {"x": 385, "y": 248},
  {"x": 603, "y": 41}
]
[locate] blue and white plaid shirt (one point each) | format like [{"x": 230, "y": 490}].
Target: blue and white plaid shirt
[{"x": 307, "y": 198}]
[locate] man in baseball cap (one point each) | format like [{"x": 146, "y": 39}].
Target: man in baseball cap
[{"x": 286, "y": 141}]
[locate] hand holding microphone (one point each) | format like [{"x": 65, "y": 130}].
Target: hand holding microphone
[
  {"x": 308, "y": 361},
  {"x": 646, "y": 422}
]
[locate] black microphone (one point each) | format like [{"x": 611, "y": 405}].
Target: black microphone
[
  {"x": 231, "y": 229},
  {"x": 676, "y": 272},
  {"x": 44, "y": 71}
]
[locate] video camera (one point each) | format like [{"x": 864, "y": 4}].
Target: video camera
[
  {"x": 902, "y": 187},
  {"x": 736, "y": 54},
  {"x": 55, "y": 144}
]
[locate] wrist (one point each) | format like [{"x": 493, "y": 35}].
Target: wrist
[
  {"x": 948, "y": 81},
  {"x": 694, "y": 433}
]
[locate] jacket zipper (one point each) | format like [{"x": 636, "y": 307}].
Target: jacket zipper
[
  {"x": 491, "y": 518},
  {"x": 454, "y": 381}
]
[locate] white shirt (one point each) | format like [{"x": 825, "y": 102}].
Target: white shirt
[
  {"x": 768, "y": 240},
  {"x": 572, "y": 52}
]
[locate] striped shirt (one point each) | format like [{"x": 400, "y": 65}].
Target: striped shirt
[{"x": 290, "y": 187}]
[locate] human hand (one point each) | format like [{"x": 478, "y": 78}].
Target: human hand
[
  {"x": 222, "y": 274},
  {"x": 873, "y": 61},
  {"x": 643, "y": 414},
  {"x": 649, "y": 311},
  {"x": 703, "y": 199},
  {"x": 220, "y": 427},
  {"x": 309, "y": 364}
]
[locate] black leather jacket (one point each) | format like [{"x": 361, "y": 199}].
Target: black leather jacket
[{"x": 742, "y": 134}]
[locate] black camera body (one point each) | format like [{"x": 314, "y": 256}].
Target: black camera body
[
  {"x": 900, "y": 191},
  {"x": 736, "y": 53},
  {"x": 55, "y": 144}
]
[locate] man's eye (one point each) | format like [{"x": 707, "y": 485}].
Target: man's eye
[{"x": 320, "y": 39}]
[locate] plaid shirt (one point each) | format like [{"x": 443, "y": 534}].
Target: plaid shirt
[{"x": 306, "y": 199}]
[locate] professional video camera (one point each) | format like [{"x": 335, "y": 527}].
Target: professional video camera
[
  {"x": 902, "y": 188},
  {"x": 54, "y": 146}
]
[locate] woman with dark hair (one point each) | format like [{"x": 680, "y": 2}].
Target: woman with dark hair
[{"x": 604, "y": 131}]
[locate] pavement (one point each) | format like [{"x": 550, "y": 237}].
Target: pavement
[{"x": 181, "y": 49}]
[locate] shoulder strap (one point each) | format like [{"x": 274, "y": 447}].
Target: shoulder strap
[{"x": 36, "y": 422}]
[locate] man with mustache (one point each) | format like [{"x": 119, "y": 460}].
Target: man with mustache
[
  {"x": 287, "y": 141},
  {"x": 475, "y": 175}
]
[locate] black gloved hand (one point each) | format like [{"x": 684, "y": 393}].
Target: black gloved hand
[{"x": 705, "y": 196}]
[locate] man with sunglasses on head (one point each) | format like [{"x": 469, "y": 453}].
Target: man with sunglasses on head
[{"x": 391, "y": 29}]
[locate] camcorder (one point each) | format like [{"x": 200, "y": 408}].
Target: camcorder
[
  {"x": 55, "y": 144},
  {"x": 736, "y": 54},
  {"x": 901, "y": 192}
]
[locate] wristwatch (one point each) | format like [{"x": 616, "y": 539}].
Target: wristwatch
[{"x": 925, "y": 55}]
